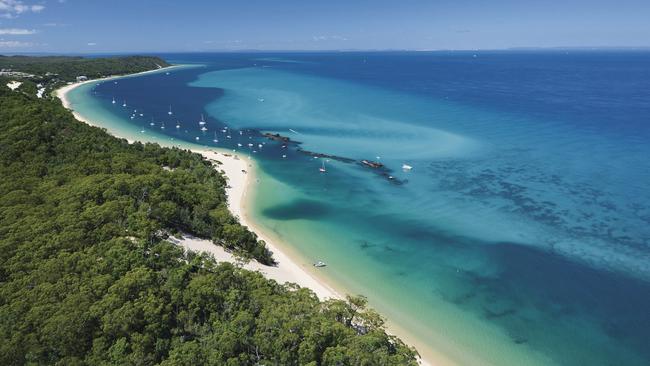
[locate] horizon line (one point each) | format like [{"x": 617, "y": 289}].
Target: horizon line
[{"x": 350, "y": 50}]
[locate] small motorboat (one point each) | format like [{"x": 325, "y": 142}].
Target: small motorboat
[
  {"x": 406, "y": 167},
  {"x": 320, "y": 264}
]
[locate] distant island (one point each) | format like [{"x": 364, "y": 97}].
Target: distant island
[{"x": 89, "y": 275}]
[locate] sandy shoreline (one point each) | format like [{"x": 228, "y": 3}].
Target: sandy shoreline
[{"x": 240, "y": 172}]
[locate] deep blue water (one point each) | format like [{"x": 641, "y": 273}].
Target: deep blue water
[{"x": 526, "y": 214}]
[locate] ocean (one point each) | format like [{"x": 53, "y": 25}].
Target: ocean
[{"x": 520, "y": 235}]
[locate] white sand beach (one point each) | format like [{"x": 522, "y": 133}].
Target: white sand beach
[{"x": 240, "y": 173}]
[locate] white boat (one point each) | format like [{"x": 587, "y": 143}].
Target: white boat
[
  {"x": 320, "y": 264},
  {"x": 284, "y": 156},
  {"x": 197, "y": 138},
  {"x": 162, "y": 126},
  {"x": 202, "y": 121},
  {"x": 322, "y": 168},
  {"x": 260, "y": 99},
  {"x": 142, "y": 130},
  {"x": 406, "y": 167},
  {"x": 170, "y": 110},
  {"x": 203, "y": 128},
  {"x": 124, "y": 104},
  {"x": 113, "y": 101},
  {"x": 238, "y": 144},
  {"x": 178, "y": 125}
]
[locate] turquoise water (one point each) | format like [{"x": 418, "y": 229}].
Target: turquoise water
[{"x": 520, "y": 235}]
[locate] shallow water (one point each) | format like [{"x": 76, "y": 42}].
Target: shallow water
[{"x": 521, "y": 234}]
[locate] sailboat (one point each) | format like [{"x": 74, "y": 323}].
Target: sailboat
[
  {"x": 202, "y": 121},
  {"x": 322, "y": 168},
  {"x": 162, "y": 126},
  {"x": 113, "y": 100},
  {"x": 152, "y": 122},
  {"x": 178, "y": 124},
  {"x": 142, "y": 130},
  {"x": 215, "y": 137},
  {"x": 124, "y": 104},
  {"x": 170, "y": 110}
]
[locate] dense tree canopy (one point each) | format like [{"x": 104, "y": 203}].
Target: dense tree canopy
[
  {"x": 87, "y": 277},
  {"x": 67, "y": 68}
]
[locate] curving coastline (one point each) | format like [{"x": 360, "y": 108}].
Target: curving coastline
[{"x": 240, "y": 171}]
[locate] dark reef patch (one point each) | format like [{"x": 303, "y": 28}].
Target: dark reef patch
[{"x": 298, "y": 209}]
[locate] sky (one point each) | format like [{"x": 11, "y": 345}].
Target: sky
[{"x": 98, "y": 26}]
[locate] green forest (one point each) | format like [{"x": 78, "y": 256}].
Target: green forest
[
  {"x": 67, "y": 68},
  {"x": 87, "y": 276}
]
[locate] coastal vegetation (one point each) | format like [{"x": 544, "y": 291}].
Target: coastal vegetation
[
  {"x": 88, "y": 277},
  {"x": 56, "y": 69}
]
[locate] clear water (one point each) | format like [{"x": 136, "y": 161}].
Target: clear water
[{"x": 520, "y": 236}]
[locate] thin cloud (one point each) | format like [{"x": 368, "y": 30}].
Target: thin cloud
[
  {"x": 12, "y": 8},
  {"x": 15, "y": 44},
  {"x": 91, "y": 44},
  {"x": 55, "y": 25},
  {"x": 16, "y": 31},
  {"x": 329, "y": 38}
]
